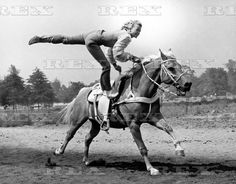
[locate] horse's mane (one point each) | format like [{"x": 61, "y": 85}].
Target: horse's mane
[
  {"x": 146, "y": 60},
  {"x": 154, "y": 59}
]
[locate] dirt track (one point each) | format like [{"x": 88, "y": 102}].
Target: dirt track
[{"x": 210, "y": 156}]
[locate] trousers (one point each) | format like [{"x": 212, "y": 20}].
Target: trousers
[{"x": 92, "y": 41}]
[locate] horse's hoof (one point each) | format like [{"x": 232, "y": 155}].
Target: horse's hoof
[
  {"x": 50, "y": 163},
  {"x": 85, "y": 161},
  {"x": 154, "y": 172},
  {"x": 180, "y": 153},
  {"x": 58, "y": 152}
]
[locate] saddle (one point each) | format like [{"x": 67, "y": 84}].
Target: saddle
[
  {"x": 117, "y": 88},
  {"x": 96, "y": 93}
]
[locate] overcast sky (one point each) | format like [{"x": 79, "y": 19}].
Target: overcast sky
[{"x": 201, "y": 32}]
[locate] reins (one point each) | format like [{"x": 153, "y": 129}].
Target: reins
[
  {"x": 131, "y": 98},
  {"x": 153, "y": 81},
  {"x": 167, "y": 72}
]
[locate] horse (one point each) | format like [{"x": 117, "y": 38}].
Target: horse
[{"x": 138, "y": 102}]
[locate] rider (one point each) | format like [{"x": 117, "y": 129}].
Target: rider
[{"x": 116, "y": 42}]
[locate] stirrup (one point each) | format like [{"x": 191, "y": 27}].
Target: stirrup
[
  {"x": 105, "y": 125},
  {"x": 112, "y": 95}
]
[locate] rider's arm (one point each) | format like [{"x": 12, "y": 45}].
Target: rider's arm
[
  {"x": 109, "y": 55},
  {"x": 118, "y": 48}
]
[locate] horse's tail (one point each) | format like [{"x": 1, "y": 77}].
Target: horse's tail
[
  {"x": 64, "y": 115},
  {"x": 71, "y": 110}
]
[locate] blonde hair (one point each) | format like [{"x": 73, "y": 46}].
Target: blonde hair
[{"x": 128, "y": 25}]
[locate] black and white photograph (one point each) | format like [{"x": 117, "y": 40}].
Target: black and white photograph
[{"x": 117, "y": 92}]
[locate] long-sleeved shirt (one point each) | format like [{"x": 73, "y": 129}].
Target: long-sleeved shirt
[{"x": 119, "y": 40}]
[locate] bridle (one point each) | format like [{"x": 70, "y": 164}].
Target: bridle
[
  {"x": 168, "y": 73},
  {"x": 131, "y": 98}
]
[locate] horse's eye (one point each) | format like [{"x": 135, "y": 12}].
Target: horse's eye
[{"x": 171, "y": 69}]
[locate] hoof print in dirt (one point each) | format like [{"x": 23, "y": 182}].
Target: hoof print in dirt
[
  {"x": 50, "y": 163},
  {"x": 180, "y": 153},
  {"x": 99, "y": 162}
]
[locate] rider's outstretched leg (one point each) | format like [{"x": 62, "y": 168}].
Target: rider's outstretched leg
[{"x": 56, "y": 39}]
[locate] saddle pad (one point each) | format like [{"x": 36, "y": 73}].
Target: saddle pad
[{"x": 96, "y": 91}]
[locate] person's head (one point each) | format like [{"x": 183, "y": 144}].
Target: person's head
[{"x": 133, "y": 27}]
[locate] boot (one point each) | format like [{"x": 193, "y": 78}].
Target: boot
[
  {"x": 103, "y": 106},
  {"x": 40, "y": 39}
]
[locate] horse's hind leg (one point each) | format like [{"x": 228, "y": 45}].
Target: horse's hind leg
[
  {"x": 70, "y": 134},
  {"x": 161, "y": 123},
  {"x": 95, "y": 128}
]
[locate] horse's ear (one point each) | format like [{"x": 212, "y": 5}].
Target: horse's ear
[
  {"x": 163, "y": 56},
  {"x": 170, "y": 49}
]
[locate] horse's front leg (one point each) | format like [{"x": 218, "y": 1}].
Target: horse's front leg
[
  {"x": 160, "y": 123},
  {"x": 135, "y": 131}
]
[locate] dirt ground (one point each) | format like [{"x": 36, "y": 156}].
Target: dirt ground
[{"x": 210, "y": 156}]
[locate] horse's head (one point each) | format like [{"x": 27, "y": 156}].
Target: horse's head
[{"x": 173, "y": 73}]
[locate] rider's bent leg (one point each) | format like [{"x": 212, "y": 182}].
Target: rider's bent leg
[
  {"x": 95, "y": 50},
  {"x": 98, "y": 54},
  {"x": 103, "y": 106},
  {"x": 56, "y": 39}
]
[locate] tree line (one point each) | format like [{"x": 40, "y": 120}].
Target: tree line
[
  {"x": 215, "y": 81},
  {"x": 37, "y": 89}
]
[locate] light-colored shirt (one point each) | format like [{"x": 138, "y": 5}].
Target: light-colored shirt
[{"x": 117, "y": 53}]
